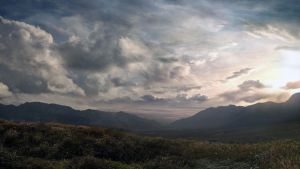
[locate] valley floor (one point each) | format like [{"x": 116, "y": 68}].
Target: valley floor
[{"x": 57, "y": 146}]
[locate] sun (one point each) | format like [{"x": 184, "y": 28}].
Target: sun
[{"x": 287, "y": 70}]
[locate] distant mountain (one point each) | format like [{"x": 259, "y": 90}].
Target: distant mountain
[
  {"x": 260, "y": 114},
  {"x": 36, "y": 111},
  {"x": 260, "y": 121},
  {"x": 241, "y": 120}
]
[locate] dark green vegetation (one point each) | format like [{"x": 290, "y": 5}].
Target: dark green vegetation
[
  {"x": 56, "y": 146},
  {"x": 36, "y": 111}
]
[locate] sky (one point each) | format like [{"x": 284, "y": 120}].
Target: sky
[{"x": 161, "y": 59}]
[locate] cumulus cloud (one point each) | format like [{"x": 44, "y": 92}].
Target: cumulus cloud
[
  {"x": 28, "y": 63},
  {"x": 4, "y": 91}
]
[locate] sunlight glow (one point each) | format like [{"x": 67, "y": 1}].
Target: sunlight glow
[{"x": 287, "y": 70}]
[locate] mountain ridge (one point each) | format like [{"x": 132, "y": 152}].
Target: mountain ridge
[
  {"x": 213, "y": 122},
  {"x": 49, "y": 112},
  {"x": 259, "y": 114}
]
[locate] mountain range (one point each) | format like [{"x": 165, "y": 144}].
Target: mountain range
[
  {"x": 261, "y": 114},
  {"x": 36, "y": 111},
  {"x": 226, "y": 122}
]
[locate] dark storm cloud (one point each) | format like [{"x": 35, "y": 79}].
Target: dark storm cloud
[{"x": 239, "y": 73}]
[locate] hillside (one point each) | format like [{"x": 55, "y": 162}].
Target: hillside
[
  {"x": 261, "y": 114},
  {"x": 259, "y": 120},
  {"x": 56, "y": 146},
  {"x": 36, "y": 111}
]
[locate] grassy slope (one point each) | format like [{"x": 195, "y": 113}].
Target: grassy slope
[
  {"x": 236, "y": 135},
  {"x": 56, "y": 146}
]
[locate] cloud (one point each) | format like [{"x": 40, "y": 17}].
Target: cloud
[
  {"x": 180, "y": 98},
  {"x": 182, "y": 89},
  {"x": 271, "y": 32},
  {"x": 138, "y": 51},
  {"x": 188, "y": 88},
  {"x": 4, "y": 91},
  {"x": 151, "y": 99},
  {"x": 239, "y": 73},
  {"x": 100, "y": 51},
  {"x": 28, "y": 62},
  {"x": 133, "y": 50},
  {"x": 293, "y": 85},
  {"x": 249, "y": 91},
  {"x": 198, "y": 98},
  {"x": 292, "y": 48},
  {"x": 251, "y": 84}
]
